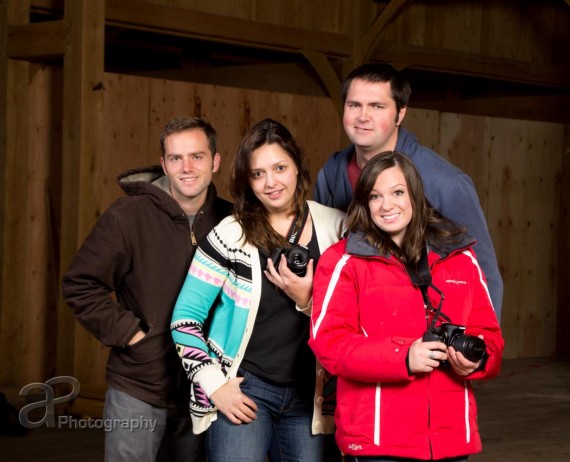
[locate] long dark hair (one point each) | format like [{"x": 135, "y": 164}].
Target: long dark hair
[
  {"x": 426, "y": 223},
  {"x": 248, "y": 210}
]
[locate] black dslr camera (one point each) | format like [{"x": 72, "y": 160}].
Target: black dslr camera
[
  {"x": 473, "y": 348},
  {"x": 297, "y": 258}
]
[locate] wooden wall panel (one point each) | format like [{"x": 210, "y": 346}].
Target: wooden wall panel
[
  {"x": 515, "y": 166},
  {"x": 524, "y": 203},
  {"x": 500, "y": 28}
]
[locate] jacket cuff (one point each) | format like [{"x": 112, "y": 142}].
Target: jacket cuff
[{"x": 210, "y": 378}]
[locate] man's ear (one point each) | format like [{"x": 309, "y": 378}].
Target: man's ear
[
  {"x": 401, "y": 116},
  {"x": 216, "y": 163},
  {"x": 163, "y": 165}
]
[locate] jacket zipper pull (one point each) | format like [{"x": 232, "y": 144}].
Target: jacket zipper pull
[{"x": 193, "y": 238}]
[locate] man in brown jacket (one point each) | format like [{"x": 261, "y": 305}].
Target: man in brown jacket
[{"x": 140, "y": 251}]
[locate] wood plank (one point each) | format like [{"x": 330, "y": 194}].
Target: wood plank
[
  {"x": 35, "y": 41},
  {"x": 82, "y": 141},
  {"x": 563, "y": 311},
  {"x": 523, "y": 218},
  {"x": 439, "y": 60},
  {"x": 14, "y": 155},
  {"x": 136, "y": 14}
]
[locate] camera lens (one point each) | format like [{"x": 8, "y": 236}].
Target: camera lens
[
  {"x": 473, "y": 348},
  {"x": 297, "y": 260}
]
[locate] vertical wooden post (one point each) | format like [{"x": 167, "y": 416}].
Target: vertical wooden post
[
  {"x": 83, "y": 70},
  {"x": 14, "y": 77},
  {"x": 563, "y": 311}
]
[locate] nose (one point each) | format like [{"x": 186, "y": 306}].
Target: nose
[
  {"x": 386, "y": 204},
  {"x": 186, "y": 163},
  {"x": 269, "y": 179},
  {"x": 363, "y": 114}
]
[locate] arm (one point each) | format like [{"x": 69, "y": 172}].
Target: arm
[
  {"x": 483, "y": 323},
  {"x": 97, "y": 270},
  {"x": 462, "y": 206},
  {"x": 337, "y": 339},
  {"x": 197, "y": 298},
  {"x": 200, "y": 295},
  {"x": 322, "y": 191}
]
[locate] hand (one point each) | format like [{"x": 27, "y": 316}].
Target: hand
[
  {"x": 236, "y": 406},
  {"x": 137, "y": 338},
  {"x": 298, "y": 289},
  {"x": 460, "y": 364},
  {"x": 426, "y": 356}
]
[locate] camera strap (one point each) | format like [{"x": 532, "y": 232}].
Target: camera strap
[
  {"x": 421, "y": 277},
  {"x": 295, "y": 231}
]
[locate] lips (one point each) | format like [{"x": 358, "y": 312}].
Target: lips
[{"x": 391, "y": 217}]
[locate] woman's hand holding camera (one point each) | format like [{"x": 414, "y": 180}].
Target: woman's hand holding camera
[
  {"x": 426, "y": 356},
  {"x": 297, "y": 288},
  {"x": 460, "y": 364}
]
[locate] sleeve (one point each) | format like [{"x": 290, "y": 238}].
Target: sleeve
[
  {"x": 338, "y": 341},
  {"x": 198, "y": 296},
  {"x": 97, "y": 270},
  {"x": 322, "y": 191},
  {"x": 482, "y": 321},
  {"x": 462, "y": 206}
]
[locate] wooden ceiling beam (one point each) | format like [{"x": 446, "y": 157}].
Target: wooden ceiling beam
[
  {"x": 490, "y": 67},
  {"x": 35, "y": 41},
  {"x": 135, "y": 14}
]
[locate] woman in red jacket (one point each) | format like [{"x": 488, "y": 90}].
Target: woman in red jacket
[{"x": 402, "y": 316}]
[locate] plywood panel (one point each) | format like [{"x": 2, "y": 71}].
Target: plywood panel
[{"x": 524, "y": 195}]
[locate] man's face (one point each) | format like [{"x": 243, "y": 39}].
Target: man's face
[
  {"x": 370, "y": 118},
  {"x": 189, "y": 165}
]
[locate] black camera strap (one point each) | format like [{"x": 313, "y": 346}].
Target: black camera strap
[
  {"x": 421, "y": 277},
  {"x": 295, "y": 231}
]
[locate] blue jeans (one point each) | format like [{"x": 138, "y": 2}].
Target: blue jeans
[
  {"x": 397, "y": 459},
  {"x": 281, "y": 431},
  {"x": 138, "y": 431}
]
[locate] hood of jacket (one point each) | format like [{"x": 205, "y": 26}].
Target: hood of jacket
[{"x": 358, "y": 245}]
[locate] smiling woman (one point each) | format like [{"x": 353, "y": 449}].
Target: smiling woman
[
  {"x": 369, "y": 320},
  {"x": 253, "y": 361}
]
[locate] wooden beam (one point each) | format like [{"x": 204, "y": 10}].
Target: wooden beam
[
  {"x": 136, "y": 14},
  {"x": 372, "y": 37},
  {"x": 328, "y": 76},
  {"x": 552, "y": 108},
  {"x": 83, "y": 70},
  {"x": 14, "y": 155},
  {"x": 476, "y": 65},
  {"x": 35, "y": 41},
  {"x": 563, "y": 274}
]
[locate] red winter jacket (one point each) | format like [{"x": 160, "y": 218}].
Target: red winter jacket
[{"x": 366, "y": 314}]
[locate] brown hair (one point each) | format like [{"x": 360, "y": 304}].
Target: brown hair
[
  {"x": 426, "y": 223},
  {"x": 248, "y": 210},
  {"x": 182, "y": 124}
]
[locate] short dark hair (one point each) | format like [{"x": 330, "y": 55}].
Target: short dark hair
[
  {"x": 380, "y": 72},
  {"x": 182, "y": 124}
]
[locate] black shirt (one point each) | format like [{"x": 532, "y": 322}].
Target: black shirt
[{"x": 278, "y": 349}]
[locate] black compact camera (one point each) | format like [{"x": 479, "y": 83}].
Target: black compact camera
[
  {"x": 473, "y": 348},
  {"x": 297, "y": 258}
]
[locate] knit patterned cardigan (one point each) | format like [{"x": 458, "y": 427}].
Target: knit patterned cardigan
[{"x": 225, "y": 277}]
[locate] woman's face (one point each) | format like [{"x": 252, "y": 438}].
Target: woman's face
[
  {"x": 390, "y": 205},
  {"x": 273, "y": 177}
]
